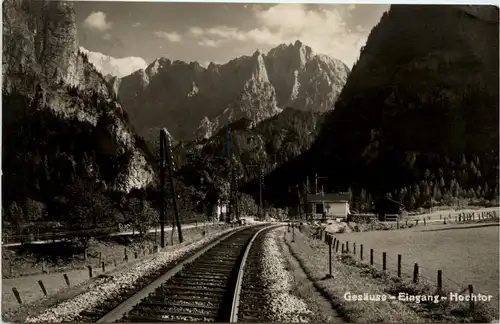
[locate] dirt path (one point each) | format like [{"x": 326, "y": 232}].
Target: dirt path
[{"x": 304, "y": 288}]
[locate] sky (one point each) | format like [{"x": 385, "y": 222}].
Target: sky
[{"x": 219, "y": 32}]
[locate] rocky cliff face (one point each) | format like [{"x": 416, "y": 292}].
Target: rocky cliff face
[
  {"x": 43, "y": 65},
  {"x": 304, "y": 80},
  {"x": 192, "y": 101}
]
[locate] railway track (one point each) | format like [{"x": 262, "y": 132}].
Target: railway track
[
  {"x": 248, "y": 304},
  {"x": 204, "y": 288}
]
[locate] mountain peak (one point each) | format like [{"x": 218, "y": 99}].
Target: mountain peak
[
  {"x": 118, "y": 67},
  {"x": 253, "y": 86},
  {"x": 260, "y": 72}
]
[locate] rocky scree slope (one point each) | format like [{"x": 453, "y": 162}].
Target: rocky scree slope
[
  {"x": 194, "y": 102},
  {"x": 61, "y": 124},
  {"x": 418, "y": 117}
]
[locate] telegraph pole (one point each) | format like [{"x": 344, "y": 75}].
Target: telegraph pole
[
  {"x": 233, "y": 199},
  {"x": 307, "y": 194},
  {"x": 166, "y": 161},
  {"x": 261, "y": 180},
  {"x": 315, "y": 183},
  {"x": 316, "y": 177},
  {"x": 162, "y": 189},
  {"x": 172, "y": 187}
]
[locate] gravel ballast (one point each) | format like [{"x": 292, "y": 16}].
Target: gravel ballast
[
  {"x": 107, "y": 289},
  {"x": 283, "y": 306}
]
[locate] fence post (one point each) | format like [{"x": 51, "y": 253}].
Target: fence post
[
  {"x": 347, "y": 247},
  {"x": 334, "y": 241},
  {"x": 425, "y": 222},
  {"x": 471, "y": 302},
  {"x": 65, "y": 276},
  {"x": 85, "y": 254},
  {"x": 337, "y": 247},
  {"x": 330, "y": 260},
  {"x": 100, "y": 257},
  {"x": 135, "y": 254},
  {"x": 90, "y": 271},
  {"x": 18, "y": 296},
  {"x": 415, "y": 273},
  {"x": 371, "y": 257},
  {"x": 342, "y": 248},
  {"x": 384, "y": 261},
  {"x": 43, "y": 266},
  {"x": 103, "y": 266},
  {"x": 397, "y": 222},
  {"x": 361, "y": 252},
  {"x": 440, "y": 281},
  {"x": 354, "y": 248},
  {"x": 399, "y": 265},
  {"x": 40, "y": 282},
  {"x": 126, "y": 255}
]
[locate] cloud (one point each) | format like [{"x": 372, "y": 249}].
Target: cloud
[
  {"x": 325, "y": 30},
  {"x": 107, "y": 36},
  {"x": 210, "y": 43},
  {"x": 171, "y": 37},
  {"x": 97, "y": 21},
  {"x": 196, "y": 31},
  {"x": 136, "y": 24}
]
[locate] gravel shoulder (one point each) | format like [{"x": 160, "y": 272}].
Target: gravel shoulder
[
  {"x": 282, "y": 304},
  {"x": 322, "y": 308}
]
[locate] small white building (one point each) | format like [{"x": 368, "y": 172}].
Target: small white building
[{"x": 332, "y": 205}]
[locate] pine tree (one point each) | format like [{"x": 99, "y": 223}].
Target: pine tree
[
  {"x": 416, "y": 192},
  {"x": 442, "y": 183}
]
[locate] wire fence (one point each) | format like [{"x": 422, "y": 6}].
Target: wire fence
[
  {"x": 56, "y": 235},
  {"x": 432, "y": 281}
]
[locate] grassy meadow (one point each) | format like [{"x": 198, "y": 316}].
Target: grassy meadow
[{"x": 466, "y": 253}]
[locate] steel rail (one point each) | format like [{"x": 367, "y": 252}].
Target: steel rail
[{"x": 237, "y": 291}]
